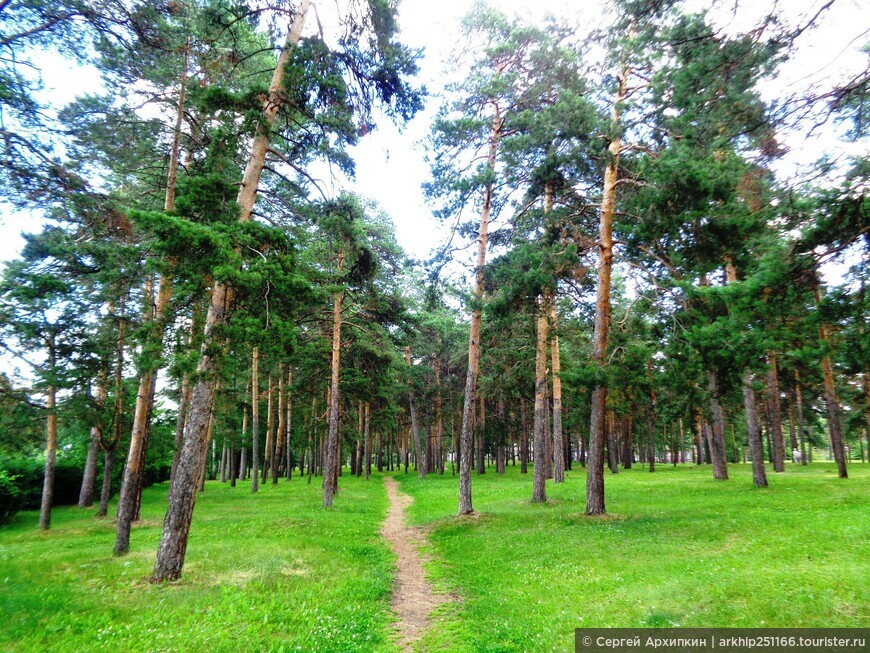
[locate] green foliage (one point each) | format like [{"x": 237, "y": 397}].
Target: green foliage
[
  {"x": 10, "y": 496},
  {"x": 28, "y": 475}
]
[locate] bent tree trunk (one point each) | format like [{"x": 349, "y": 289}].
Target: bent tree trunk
[
  {"x": 465, "y": 434},
  {"x": 182, "y": 490}
]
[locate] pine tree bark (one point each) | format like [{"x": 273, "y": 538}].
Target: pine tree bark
[
  {"x": 466, "y": 432},
  {"x": 255, "y": 420},
  {"x": 524, "y": 437},
  {"x": 832, "y": 402},
  {"x": 558, "y": 439},
  {"x": 539, "y": 491},
  {"x": 415, "y": 427},
  {"x": 367, "y": 439},
  {"x": 597, "y": 428},
  {"x": 89, "y": 478},
  {"x": 756, "y": 449},
  {"x": 182, "y": 494},
  {"x": 718, "y": 456},
  {"x": 775, "y": 416},
  {"x": 288, "y": 445},
  {"x": 439, "y": 414},
  {"x": 269, "y": 452},
  {"x": 131, "y": 485},
  {"x": 332, "y": 443},
  {"x": 243, "y": 460},
  {"x": 50, "y": 439}
]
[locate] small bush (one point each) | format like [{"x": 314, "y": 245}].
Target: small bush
[
  {"x": 29, "y": 476},
  {"x": 10, "y": 497}
]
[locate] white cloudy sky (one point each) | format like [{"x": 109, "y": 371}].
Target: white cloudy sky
[{"x": 390, "y": 163}]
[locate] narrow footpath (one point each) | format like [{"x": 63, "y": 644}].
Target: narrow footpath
[{"x": 413, "y": 599}]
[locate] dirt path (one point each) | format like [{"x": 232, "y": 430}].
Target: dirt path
[{"x": 413, "y": 599}]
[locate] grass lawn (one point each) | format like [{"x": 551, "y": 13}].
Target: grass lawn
[
  {"x": 265, "y": 572},
  {"x": 678, "y": 549},
  {"x": 276, "y": 572}
]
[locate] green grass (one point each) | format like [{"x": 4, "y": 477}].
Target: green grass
[
  {"x": 266, "y": 572},
  {"x": 276, "y": 572},
  {"x": 677, "y": 549}
]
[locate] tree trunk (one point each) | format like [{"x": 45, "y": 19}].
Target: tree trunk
[
  {"x": 832, "y": 402},
  {"x": 243, "y": 460},
  {"x": 50, "y": 441},
  {"x": 182, "y": 491},
  {"x": 280, "y": 436},
  {"x": 628, "y": 446},
  {"x": 155, "y": 315},
  {"x": 539, "y": 491},
  {"x": 759, "y": 475},
  {"x": 106, "y": 490},
  {"x": 89, "y": 478},
  {"x": 775, "y": 416},
  {"x": 269, "y": 451},
  {"x": 288, "y": 445},
  {"x": 367, "y": 454},
  {"x": 465, "y": 435},
  {"x": 439, "y": 415},
  {"x": 332, "y": 444},
  {"x": 597, "y": 427},
  {"x": 255, "y": 419},
  {"x": 524, "y": 437},
  {"x": 415, "y": 428},
  {"x": 718, "y": 456},
  {"x": 558, "y": 440}
]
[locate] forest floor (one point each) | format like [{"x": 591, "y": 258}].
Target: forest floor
[
  {"x": 274, "y": 571},
  {"x": 413, "y": 599}
]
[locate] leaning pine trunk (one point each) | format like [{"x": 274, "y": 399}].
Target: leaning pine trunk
[
  {"x": 182, "y": 490},
  {"x": 131, "y": 485}
]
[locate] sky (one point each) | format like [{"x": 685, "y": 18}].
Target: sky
[{"x": 390, "y": 160}]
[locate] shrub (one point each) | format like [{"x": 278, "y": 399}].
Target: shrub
[
  {"x": 10, "y": 497},
  {"x": 29, "y": 476}
]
